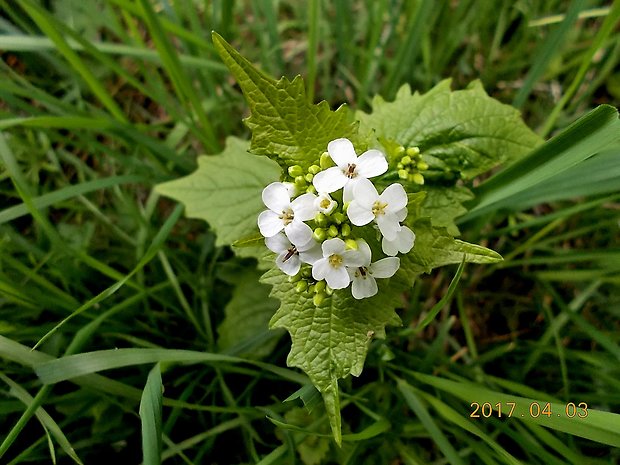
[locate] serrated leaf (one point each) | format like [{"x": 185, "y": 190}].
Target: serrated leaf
[
  {"x": 285, "y": 126},
  {"x": 435, "y": 247},
  {"x": 244, "y": 330},
  {"x": 463, "y": 131},
  {"x": 225, "y": 190},
  {"x": 444, "y": 204}
]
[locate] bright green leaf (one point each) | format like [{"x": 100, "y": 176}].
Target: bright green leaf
[
  {"x": 464, "y": 131},
  {"x": 285, "y": 126},
  {"x": 225, "y": 190}
]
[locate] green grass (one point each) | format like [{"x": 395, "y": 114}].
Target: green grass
[{"x": 100, "y": 101}]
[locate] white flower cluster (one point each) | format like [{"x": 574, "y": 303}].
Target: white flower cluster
[{"x": 336, "y": 259}]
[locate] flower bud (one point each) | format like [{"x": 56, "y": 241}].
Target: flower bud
[
  {"x": 314, "y": 169},
  {"x": 406, "y": 160},
  {"x": 318, "y": 299},
  {"x": 339, "y": 217},
  {"x": 301, "y": 286},
  {"x": 311, "y": 189},
  {"x": 328, "y": 290},
  {"x": 422, "y": 166},
  {"x": 294, "y": 279},
  {"x": 332, "y": 231},
  {"x": 320, "y": 219},
  {"x": 403, "y": 174},
  {"x": 308, "y": 177},
  {"x": 311, "y": 289},
  {"x": 400, "y": 150},
  {"x": 300, "y": 181},
  {"x": 325, "y": 161},
  {"x": 295, "y": 171},
  {"x": 351, "y": 244},
  {"x": 319, "y": 234},
  {"x": 320, "y": 287},
  {"x": 418, "y": 178},
  {"x": 413, "y": 151},
  {"x": 345, "y": 230}
]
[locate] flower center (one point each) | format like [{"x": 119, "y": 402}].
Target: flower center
[
  {"x": 287, "y": 216},
  {"x": 362, "y": 272},
  {"x": 335, "y": 260},
  {"x": 378, "y": 208},
  {"x": 289, "y": 253},
  {"x": 350, "y": 171},
  {"x": 324, "y": 204}
]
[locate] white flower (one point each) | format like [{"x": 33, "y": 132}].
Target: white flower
[
  {"x": 332, "y": 267},
  {"x": 287, "y": 215},
  {"x": 387, "y": 209},
  {"x": 350, "y": 168},
  {"x": 290, "y": 257},
  {"x": 325, "y": 204},
  {"x": 363, "y": 277},
  {"x": 403, "y": 242}
]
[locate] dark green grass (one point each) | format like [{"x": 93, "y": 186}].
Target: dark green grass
[{"x": 100, "y": 101}]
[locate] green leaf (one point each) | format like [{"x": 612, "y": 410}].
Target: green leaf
[
  {"x": 150, "y": 417},
  {"x": 435, "y": 247},
  {"x": 285, "y": 126},
  {"x": 464, "y": 131},
  {"x": 225, "y": 190},
  {"x": 444, "y": 204},
  {"x": 244, "y": 330}
]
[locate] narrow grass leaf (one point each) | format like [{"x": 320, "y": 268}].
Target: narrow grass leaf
[{"x": 151, "y": 417}]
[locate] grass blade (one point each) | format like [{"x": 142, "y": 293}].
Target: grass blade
[{"x": 151, "y": 417}]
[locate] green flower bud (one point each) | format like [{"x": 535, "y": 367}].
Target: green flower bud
[
  {"x": 300, "y": 181},
  {"x": 314, "y": 169},
  {"x": 345, "y": 230},
  {"x": 326, "y": 161},
  {"x": 351, "y": 244},
  {"x": 308, "y": 177},
  {"x": 332, "y": 231},
  {"x": 400, "y": 166},
  {"x": 413, "y": 151},
  {"x": 320, "y": 219},
  {"x": 311, "y": 189},
  {"x": 306, "y": 272},
  {"x": 320, "y": 287},
  {"x": 422, "y": 166},
  {"x": 418, "y": 178},
  {"x": 295, "y": 171},
  {"x": 339, "y": 217},
  {"x": 406, "y": 160},
  {"x": 311, "y": 289},
  {"x": 403, "y": 174},
  {"x": 400, "y": 150},
  {"x": 294, "y": 279},
  {"x": 301, "y": 286},
  {"x": 318, "y": 299},
  {"x": 328, "y": 290},
  {"x": 319, "y": 234}
]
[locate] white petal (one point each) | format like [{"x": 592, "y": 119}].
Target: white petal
[
  {"x": 291, "y": 188},
  {"x": 401, "y": 214},
  {"x": 312, "y": 255},
  {"x": 395, "y": 197},
  {"x": 365, "y": 193},
  {"x": 333, "y": 246},
  {"x": 389, "y": 247},
  {"x": 363, "y": 287},
  {"x": 290, "y": 266},
  {"x": 385, "y": 268},
  {"x": 371, "y": 163},
  {"x": 321, "y": 269},
  {"x": 298, "y": 233},
  {"x": 364, "y": 249},
  {"x": 337, "y": 278},
  {"x": 388, "y": 225},
  {"x": 269, "y": 223},
  {"x": 347, "y": 192},
  {"x": 353, "y": 258},
  {"x": 278, "y": 243},
  {"x": 403, "y": 242},
  {"x": 342, "y": 152},
  {"x": 303, "y": 207},
  {"x": 329, "y": 180},
  {"x": 276, "y": 197},
  {"x": 358, "y": 214}
]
